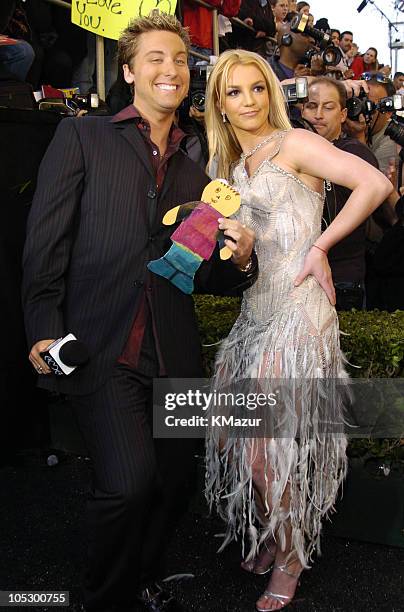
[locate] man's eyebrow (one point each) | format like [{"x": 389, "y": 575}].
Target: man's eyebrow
[{"x": 159, "y": 52}]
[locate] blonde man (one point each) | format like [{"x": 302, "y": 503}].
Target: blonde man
[{"x": 96, "y": 222}]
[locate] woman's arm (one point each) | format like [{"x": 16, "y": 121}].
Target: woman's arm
[{"x": 311, "y": 157}]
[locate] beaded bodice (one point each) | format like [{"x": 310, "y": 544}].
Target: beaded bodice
[{"x": 285, "y": 215}]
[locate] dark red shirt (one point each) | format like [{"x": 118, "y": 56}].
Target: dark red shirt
[{"x": 144, "y": 317}]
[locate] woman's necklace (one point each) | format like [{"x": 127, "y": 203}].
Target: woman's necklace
[{"x": 244, "y": 156}]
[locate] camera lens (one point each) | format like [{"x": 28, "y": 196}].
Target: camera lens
[
  {"x": 395, "y": 130},
  {"x": 198, "y": 100},
  {"x": 331, "y": 56},
  {"x": 299, "y": 25},
  {"x": 355, "y": 108}
]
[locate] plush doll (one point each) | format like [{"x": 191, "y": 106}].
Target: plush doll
[{"x": 195, "y": 239}]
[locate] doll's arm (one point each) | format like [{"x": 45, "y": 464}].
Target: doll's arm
[{"x": 179, "y": 213}]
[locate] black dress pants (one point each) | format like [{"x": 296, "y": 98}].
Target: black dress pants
[{"x": 139, "y": 490}]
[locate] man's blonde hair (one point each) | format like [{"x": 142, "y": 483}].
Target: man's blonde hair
[
  {"x": 156, "y": 21},
  {"x": 224, "y": 147}
]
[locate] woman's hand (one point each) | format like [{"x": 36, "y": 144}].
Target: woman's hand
[
  {"x": 240, "y": 242},
  {"x": 316, "y": 264}
]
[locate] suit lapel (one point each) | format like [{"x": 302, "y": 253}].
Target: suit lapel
[
  {"x": 131, "y": 134},
  {"x": 171, "y": 175},
  {"x": 155, "y": 209}
]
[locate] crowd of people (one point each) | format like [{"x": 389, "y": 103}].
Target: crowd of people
[
  {"x": 39, "y": 44},
  {"x": 312, "y": 201}
]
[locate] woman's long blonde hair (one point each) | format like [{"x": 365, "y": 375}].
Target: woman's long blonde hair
[{"x": 224, "y": 147}]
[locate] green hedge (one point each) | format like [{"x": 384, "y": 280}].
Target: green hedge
[{"x": 372, "y": 340}]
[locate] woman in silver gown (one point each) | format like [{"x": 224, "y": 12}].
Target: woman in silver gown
[{"x": 275, "y": 491}]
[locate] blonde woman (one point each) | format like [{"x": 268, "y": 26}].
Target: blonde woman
[{"x": 276, "y": 491}]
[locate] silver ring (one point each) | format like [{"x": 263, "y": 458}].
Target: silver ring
[{"x": 39, "y": 369}]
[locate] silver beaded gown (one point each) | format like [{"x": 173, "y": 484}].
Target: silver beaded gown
[{"x": 283, "y": 332}]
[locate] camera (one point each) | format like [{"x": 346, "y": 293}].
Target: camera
[
  {"x": 70, "y": 106},
  {"x": 391, "y": 104},
  {"x": 299, "y": 25},
  {"x": 329, "y": 53},
  {"x": 331, "y": 56},
  {"x": 297, "y": 92},
  {"x": 86, "y": 101},
  {"x": 359, "y": 105},
  {"x": 197, "y": 89},
  {"x": 65, "y": 354},
  {"x": 362, "y": 105},
  {"x": 395, "y": 130}
]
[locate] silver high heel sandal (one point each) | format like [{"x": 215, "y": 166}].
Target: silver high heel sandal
[
  {"x": 249, "y": 566},
  {"x": 285, "y": 600}
]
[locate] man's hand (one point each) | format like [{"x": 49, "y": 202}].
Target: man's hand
[
  {"x": 317, "y": 65},
  {"x": 194, "y": 113},
  {"x": 386, "y": 70},
  {"x": 316, "y": 264},
  {"x": 260, "y": 34},
  {"x": 248, "y": 21},
  {"x": 353, "y": 88},
  {"x": 356, "y": 129},
  {"x": 242, "y": 240},
  {"x": 302, "y": 71},
  {"x": 349, "y": 74},
  {"x": 36, "y": 359},
  {"x": 391, "y": 172}
]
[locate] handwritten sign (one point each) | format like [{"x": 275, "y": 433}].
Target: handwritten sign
[{"x": 109, "y": 17}]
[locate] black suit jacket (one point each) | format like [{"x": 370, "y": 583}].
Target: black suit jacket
[{"x": 95, "y": 223}]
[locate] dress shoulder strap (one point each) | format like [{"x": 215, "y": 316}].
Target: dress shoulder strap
[{"x": 278, "y": 140}]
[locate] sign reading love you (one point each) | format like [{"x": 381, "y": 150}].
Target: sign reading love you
[{"x": 109, "y": 17}]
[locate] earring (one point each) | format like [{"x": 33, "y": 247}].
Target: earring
[{"x": 224, "y": 117}]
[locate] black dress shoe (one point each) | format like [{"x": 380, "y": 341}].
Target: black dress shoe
[{"x": 154, "y": 598}]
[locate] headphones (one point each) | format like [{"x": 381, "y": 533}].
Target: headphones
[{"x": 286, "y": 40}]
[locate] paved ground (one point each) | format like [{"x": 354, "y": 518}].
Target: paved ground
[{"x": 42, "y": 544}]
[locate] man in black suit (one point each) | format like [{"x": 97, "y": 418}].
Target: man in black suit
[{"x": 96, "y": 221}]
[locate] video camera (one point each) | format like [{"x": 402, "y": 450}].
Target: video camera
[{"x": 329, "y": 53}]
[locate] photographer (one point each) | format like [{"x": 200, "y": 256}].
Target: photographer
[
  {"x": 292, "y": 48},
  {"x": 382, "y": 146},
  {"x": 388, "y": 263},
  {"x": 326, "y": 111},
  {"x": 398, "y": 82}
]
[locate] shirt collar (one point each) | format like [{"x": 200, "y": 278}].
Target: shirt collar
[
  {"x": 130, "y": 112},
  {"x": 175, "y": 136}
]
